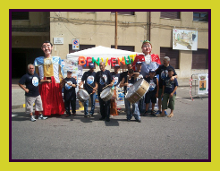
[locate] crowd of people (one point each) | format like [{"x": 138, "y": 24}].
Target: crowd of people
[{"x": 43, "y": 83}]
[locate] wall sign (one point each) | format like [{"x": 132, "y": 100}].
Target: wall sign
[
  {"x": 75, "y": 44},
  {"x": 58, "y": 41}
]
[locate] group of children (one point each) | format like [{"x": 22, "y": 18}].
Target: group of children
[{"x": 168, "y": 93}]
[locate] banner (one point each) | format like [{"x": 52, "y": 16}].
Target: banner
[
  {"x": 70, "y": 65},
  {"x": 185, "y": 39},
  {"x": 119, "y": 96},
  {"x": 202, "y": 83}
]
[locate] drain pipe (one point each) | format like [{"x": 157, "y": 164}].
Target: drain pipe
[{"x": 149, "y": 25}]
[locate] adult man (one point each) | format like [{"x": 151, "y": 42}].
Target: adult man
[
  {"x": 103, "y": 78},
  {"x": 31, "y": 80},
  {"x": 124, "y": 74},
  {"x": 116, "y": 78},
  {"x": 162, "y": 71},
  {"x": 89, "y": 79},
  {"x": 127, "y": 82},
  {"x": 49, "y": 68},
  {"x": 141, "y": 103}
]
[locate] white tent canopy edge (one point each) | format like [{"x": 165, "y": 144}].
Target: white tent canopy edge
[{"x": 102, "y": 52}]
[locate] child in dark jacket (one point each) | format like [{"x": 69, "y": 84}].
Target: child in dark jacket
[
  {"x": 152, "y": 94},
  {"x": 169, "y": 93}
]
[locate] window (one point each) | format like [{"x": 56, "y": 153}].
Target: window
[
  {"x": 200, "y": 59},
  {"x": 20, "y": 15},
  {"x": 129, "y": 48},
  {"x": 172, "y": 15},
  {"x": 172, "y": 54},
  {"x": 124, "y": 13},
  {"x": 82, "y": 47},
  {"x": 200, "y": 16}
]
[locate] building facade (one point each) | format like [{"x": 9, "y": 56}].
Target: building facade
[{"x": 98, "y": 28}]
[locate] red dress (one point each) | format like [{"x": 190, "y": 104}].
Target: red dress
[
  {"x": 51, "y": 93},
  {"x": 51, "y": 97}
]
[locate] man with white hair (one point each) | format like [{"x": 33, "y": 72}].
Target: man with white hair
[
  {"x": 31, "y": 81},
  {"x": 162, "y": 71}
]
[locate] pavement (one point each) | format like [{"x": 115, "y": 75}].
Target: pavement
[{"x": 183, "y": 137}]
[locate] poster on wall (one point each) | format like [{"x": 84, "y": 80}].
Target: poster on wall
[
  {"x": 185, "y": 39},
  {"x": 203, "y": 84},
  {"x": 119, "y": 96},
  {"x": 72, "y": 65}
]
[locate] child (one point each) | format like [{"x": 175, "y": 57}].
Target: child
[
  {"x": 70, "y": 94},
  {"x": 169, "y": 93},
  {"x": 152, "y": 94}
]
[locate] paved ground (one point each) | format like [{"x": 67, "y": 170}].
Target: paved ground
[
  {"x": 185, "y": 136},
  {"x": 18, "y": 98}
]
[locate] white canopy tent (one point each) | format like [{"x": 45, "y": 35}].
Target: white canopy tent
[{"x": 101, "y": 51}]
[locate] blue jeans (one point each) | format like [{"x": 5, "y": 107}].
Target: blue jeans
[
  {"x": 135, "y": 110},
  {"x": 86, "y": 105},
  {"x": 142, "y": 105}
]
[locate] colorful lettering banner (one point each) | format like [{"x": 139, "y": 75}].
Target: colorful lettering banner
[{"x": 125, "y": 60}]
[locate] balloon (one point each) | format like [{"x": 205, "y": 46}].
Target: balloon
[
  {"x": 123, "y": 60},
  {"x": 118, "y": 60},
  {"x": 106, "y": 62},
  {"x": 102, "y": 59},
  {"x": 94, "y": 61},
  {"x": 129, "y": 60},
  {"x": 132, "y": 56},
  {"x": 85, "y": 64},
  {"x": 82, "y": 60},
  {"x": 109, "y": 62},
  {"x": 89, "y": 60},
  {"x": 113, "y": 61}
]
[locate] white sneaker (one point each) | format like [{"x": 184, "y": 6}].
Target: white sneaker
[
  {"x": 33, "y": 119},
  {"x": 41, "y": 117}
]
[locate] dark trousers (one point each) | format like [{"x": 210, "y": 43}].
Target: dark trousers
[
  {"x": 67, "y": 106},
  {"x": 104, "y": 107}
]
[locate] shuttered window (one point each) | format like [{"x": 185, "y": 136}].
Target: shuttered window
[
  {"x": 124, "y": 13},
  {"x": 200, "y": 59},
  {"x": 172, "y": 54},
  {"x": 82, "y": 47},
  {"x": 172, "y": 15},
  {"x": 129, "y": 48},
  {"x": 20, "y": 15}
]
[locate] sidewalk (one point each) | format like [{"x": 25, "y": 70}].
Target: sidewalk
[{"x": 18, "y": 98}]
